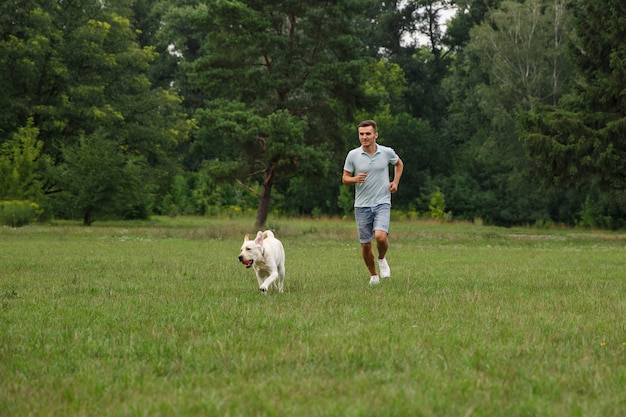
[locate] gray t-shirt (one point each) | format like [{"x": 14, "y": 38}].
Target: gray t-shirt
[{"x": 375, "y": 189}]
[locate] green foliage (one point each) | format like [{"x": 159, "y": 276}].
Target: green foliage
[
  {"x": 98, "y": 179},
  {"x": 226, "y": 131},
  {"x": 571, "y": 151},
  {"x": 515, "y": 60},
  {"x": 579, "y": 142},
  {"x": 463, "y": 195},
  {"x": 205, "y": 193},
  {"x": 266, "y": 151},
  {"x": 308, "y": 194},
  {"x": 385, "y": 84},
  {"x": 600, "y": 57},
  {"x": 592, "y": 215},
  {"x": 557, "y": 138},
  {"x": 522, "y": 46},
  {"x": 74, "y": 70},
  {"x": 19, "y": 213},
  {"x": 270, "y": 55},
  {"x": 470, "y": 13},
  {"x": 517, "y": 119},
  {"x": 423, "y": 152},
  {"x": 603, "y": 211},
  {"x": 437, "y": 207},
  {"x": 289, "y": 73},
  {"x": 179, "y": 199},
  {"x": 19, "y": 165}
]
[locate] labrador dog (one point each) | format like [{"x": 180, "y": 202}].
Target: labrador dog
[{"x": 266, "y": 254}]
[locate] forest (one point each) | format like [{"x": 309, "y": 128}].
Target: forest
[{"x": 508, "y": 112}]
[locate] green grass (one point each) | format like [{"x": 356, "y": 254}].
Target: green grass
[{"x": 158, "y": 319}]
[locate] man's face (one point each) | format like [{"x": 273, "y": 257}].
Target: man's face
[{"x": 367, "y": 135}]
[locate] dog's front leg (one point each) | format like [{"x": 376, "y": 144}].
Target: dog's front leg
[
  {"x": 259, "y": 278},
  {"x": 263, "y": 287}
]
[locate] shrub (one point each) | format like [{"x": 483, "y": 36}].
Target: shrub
[
  {"x": 595, "y": 213},
  {"x": 18, "y": 213},
  {"x": 437, "y": 207}
]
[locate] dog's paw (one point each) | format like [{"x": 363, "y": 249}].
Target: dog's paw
[{"x": 263, "y": 290}]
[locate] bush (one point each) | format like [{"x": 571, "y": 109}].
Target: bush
[
  {"x": 437, "y": 207},
  {"x": 19, "y": 213},
  {"x": 596, "y": 213}
]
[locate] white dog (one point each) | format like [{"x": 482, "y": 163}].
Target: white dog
[{"x": 267, "y": 255}]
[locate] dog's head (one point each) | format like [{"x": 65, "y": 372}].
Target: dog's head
[{"x": 251, "y": 250}]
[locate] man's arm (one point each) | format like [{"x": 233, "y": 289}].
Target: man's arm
[
  {"x": 397, "y": 173},
  {"x": 350, "y": 179}
]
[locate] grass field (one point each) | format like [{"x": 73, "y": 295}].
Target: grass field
[{"x": 159, "y": 319}]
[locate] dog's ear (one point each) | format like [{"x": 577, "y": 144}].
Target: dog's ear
[
  {"x": 259, "y": 238},
  {"x": 246, "y": 237}
]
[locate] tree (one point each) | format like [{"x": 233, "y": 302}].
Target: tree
[
  {"x": 288, "y": 62},
  {"x": 269, "y": 149},
  {"x": 19, "y": 165},
  {"x": 522, "y": 47},
  {"x": 580, "y": 141},
  {"x": 515, "y": 60},
  {"x": 410, "y": 34},
  {"x": 31, "y": 71},
  {"x": 98, "y": 178},
  {"x": 76, "y": 67},
  {"x": 469, "y": 13}
]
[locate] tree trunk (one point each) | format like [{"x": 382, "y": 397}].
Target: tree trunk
[
  {"x": 264, "y": 200},
  {"x": 87, "y": 218}
]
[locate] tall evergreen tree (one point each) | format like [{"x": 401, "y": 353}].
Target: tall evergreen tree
[
  {"x": 580, "y": 142},
  {"x": 302, "y": 58}
]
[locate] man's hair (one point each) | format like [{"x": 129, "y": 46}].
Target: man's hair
[{"x": 366, "y": 123}]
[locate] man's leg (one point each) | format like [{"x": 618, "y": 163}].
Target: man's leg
[
  {"x": 382, "y": 243},
  {"x": 381, "y": 233},
  {"x": 368, "y": 257},
  {"x": 365, "y": 223}
]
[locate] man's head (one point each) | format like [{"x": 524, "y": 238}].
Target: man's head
[{"x": 368, "y": 132}]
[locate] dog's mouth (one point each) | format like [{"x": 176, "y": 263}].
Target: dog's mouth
[{"x": 248, "y": 263}]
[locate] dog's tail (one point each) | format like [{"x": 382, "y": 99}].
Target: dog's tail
[{"x": 268, "y": 233}]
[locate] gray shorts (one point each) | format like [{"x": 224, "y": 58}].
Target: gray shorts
[{"x": 369, "y": 219}]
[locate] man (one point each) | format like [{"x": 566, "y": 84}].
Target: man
[{"x": 367, "y": 167}]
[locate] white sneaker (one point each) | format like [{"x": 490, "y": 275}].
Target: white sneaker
[
  {"x": 374, "y": 280},
  {"x": 385, "y": 271}
]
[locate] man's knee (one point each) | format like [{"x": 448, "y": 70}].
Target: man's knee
[{"x": 380, "y": 235}]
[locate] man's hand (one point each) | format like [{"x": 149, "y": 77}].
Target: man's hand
[{"x": 360, "y": 178}]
